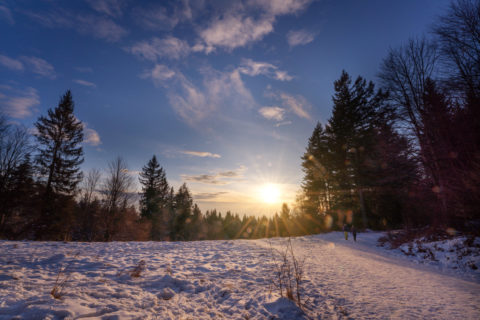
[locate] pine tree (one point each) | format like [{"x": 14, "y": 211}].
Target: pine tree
[
  {"x": 60, "y": 154},
  {"x": 155, "y": 197}
]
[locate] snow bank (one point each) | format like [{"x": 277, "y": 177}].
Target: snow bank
[{"x": 457, "y": 254}]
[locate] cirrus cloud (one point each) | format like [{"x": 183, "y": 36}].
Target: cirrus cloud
[
  {"x": 299, "y": 37},
  {"x": 255, "y": 68},
  {"x": 11, "y": 63},
  {"x": 85, "y": 83},
  {"x": 272, "y": 113},
  {"x": 18, "y": 103},
  {"x": 158, "y": 74},
  {"x": 113, "y": 8},
  {"x": 218, "y": 178},
  {"x": 169, "y": 47},
  {"x": 98, "y": 26},
  {"x": 244, "y": 23},
  {"x": 201, "y": 154}
]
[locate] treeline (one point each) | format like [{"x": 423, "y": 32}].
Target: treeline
[
  {"x": 407, "y": 154},
  {"x": 45, "y": 196}
]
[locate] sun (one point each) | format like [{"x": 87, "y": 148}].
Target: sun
[{"x": 270, "y": 193}]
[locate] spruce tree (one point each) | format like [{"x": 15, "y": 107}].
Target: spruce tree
[
  {"x": 155, "y": 197},
  {"x": 59, "y": 136}
]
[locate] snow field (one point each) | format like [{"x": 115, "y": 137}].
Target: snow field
[{"x": 227, "y": 280}]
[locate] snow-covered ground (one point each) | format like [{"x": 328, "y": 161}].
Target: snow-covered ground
[{"x": 228, "y": 280}]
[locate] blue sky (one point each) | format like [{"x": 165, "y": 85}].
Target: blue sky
[{"x": 225, "y": 93}]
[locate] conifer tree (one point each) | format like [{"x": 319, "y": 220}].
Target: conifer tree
[
  {"x": 59, "y": 136},
  {"x": 316, "y": 182},
  {"x": 183, "y": 212},
  {"x": 351, "y": 137},
  {"x": 155, "y": 197},
  {"x": 358, "y": 163}
]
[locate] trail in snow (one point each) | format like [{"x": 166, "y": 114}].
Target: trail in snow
[
  {"x": 226, "y": 279},
  {"x": 361, "y": 281}
]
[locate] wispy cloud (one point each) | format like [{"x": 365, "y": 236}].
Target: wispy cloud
[
  {"x": 18, "y": 103},
  {"x": 193, "y": 104},
  {"x": 219, "y": 178},
  {"x": 209, "y": 195},
  {"x": 190, "y": 103},
  {"x": 294, "y": 103},
  {"x": 299, "y": 37},
  {"x": 201, "y": 154},
  {"x": 11, "y": 63},
  {"x": 272, "y": 113},
  {"x": 158, "y": 17},
  {"x": 280, "y": 7},
  {"x": 298, "y": 104},
  {"x": 254, "y": 68},
  {"x": 40, "y": 66},
  {"x": 237, "y": 173},
  {"x": 235, "y": 30},
  {"x": 113, "y": 8},
  {"x": 205, "y": 178},
  {"x": 90, "y": 136},
  {"x": 6, "y": 15},
  {"x": 244, "y": 23},
  {"x": 85, "y": 83},
  {"x": 169, "y": 47},
  {"x": 36, "y": 65},
  {"x": 158, "y": 74},
  {"x": 97, "y": 26},
  {"x": 284, "y": 123}
]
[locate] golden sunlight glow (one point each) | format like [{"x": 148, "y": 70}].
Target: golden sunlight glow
[{"x": 270, "y": 193}]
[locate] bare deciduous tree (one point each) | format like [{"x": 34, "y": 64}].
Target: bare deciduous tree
[
  {"x": 407, "y": 74},
  {"x": 15, "y": 149},
  {"x": 89, "y": 204},
  {"x": 89, "y": 185},
  {"x": 458, "y": 34},
  {"x": 116, "y": 189},
  {"x": 404, "y": 73}
]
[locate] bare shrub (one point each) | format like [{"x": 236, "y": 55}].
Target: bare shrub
[
  {"x": 288, "y": 273},
  {"x": 138, "y": 269},
  {"x": 63, "y": 276}
]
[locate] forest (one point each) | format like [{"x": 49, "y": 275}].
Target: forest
[{"x": 403, "y": 152}]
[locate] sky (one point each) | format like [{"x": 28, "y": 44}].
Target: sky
[{"x": 224, "y": 93}]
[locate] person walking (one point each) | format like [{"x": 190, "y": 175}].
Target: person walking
[
  {"x": 354, "y": 233},
  {"x": 345, "y": 231}
]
